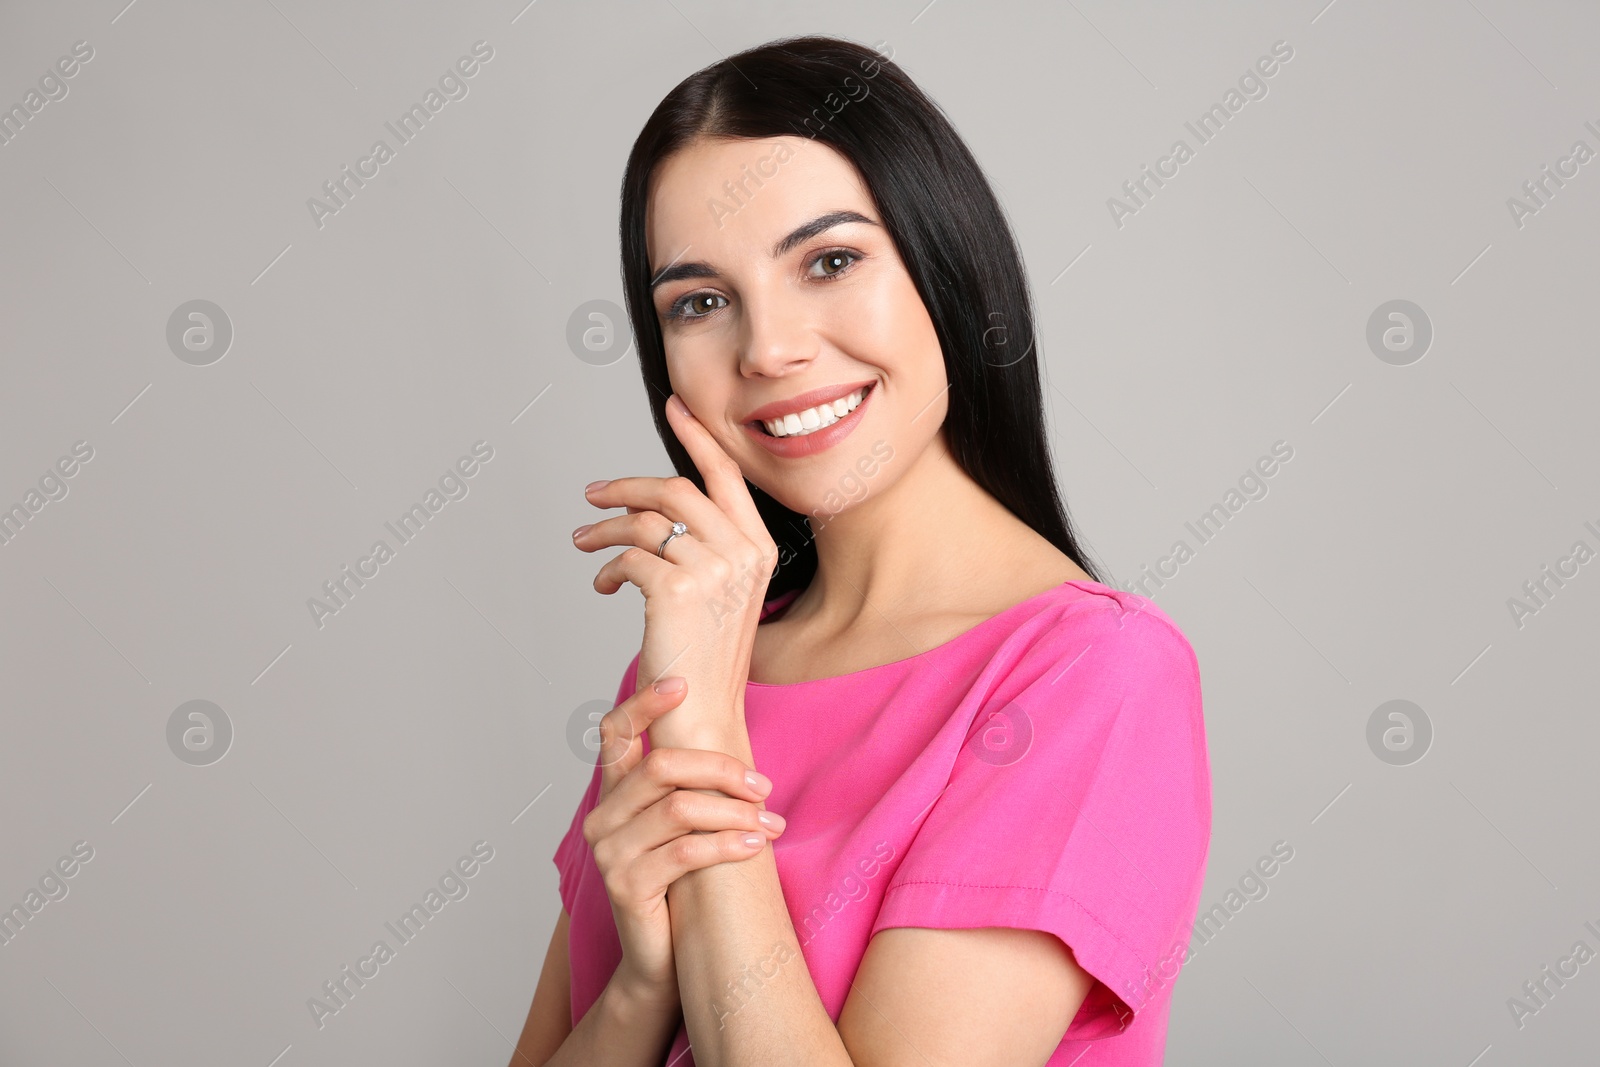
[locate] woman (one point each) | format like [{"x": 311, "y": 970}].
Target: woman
[{"x": 866, "y": 614}]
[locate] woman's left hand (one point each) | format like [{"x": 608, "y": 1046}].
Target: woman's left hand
[{"x": 703, "y": 598}]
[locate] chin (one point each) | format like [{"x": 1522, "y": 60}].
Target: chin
[{"x": 824, "y": 496}]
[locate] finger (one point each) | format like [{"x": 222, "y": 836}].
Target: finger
[
  {"x": 663, "y": 770},
  {"x": 678, "y": 499},
  {"x": 684, "y": 811},
  {"x": 655, "y": 575},
  {"x": 693, "y": 852},
  {"x": 724, "y": 479},
  {"x": 622, "y": 728},
  {"x": 635, "y": 565},
  {"x": 646, "y": 530}
]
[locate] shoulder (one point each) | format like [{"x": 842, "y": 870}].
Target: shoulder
[
  {"x": 1085, "y": 645},
  {"x": 1103, "y": 683},
  {"x": 1080, "y": 615}
]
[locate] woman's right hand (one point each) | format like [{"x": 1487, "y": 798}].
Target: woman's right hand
[{"x": 642, "y": 830}]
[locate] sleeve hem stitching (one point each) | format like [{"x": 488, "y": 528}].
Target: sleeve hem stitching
[{"x": 1092, "y": 917}]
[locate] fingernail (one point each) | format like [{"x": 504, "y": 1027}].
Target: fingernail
[
  {"x": 758, "y": 781},
  {"x": 770, "y": 819},
  {"x": 677, "y": 405},
  {"x": 592, "y": 486},
  {"x": 668, "y": 686},
  {"x": 754, "y": 840},
  {"x": 579, "y": 532}
]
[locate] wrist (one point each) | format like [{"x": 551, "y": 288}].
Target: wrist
[
  {"x": 729, "y": 734},
  {"x": 633, "y": 995}
]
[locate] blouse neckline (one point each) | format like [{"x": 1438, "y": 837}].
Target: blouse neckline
[{"x": 783, "y": 600}]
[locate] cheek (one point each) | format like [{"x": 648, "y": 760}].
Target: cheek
[
  {"x": 885, "y": 324},
  {"x": 914, "y": 327},
  {"x": 693, "y": 378},
  {"x": 711, "y": 401}
]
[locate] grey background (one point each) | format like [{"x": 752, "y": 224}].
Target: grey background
[{"x": 368, "y": 355}]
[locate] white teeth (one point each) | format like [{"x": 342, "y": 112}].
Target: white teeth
[{"x": 800, "y": 423}]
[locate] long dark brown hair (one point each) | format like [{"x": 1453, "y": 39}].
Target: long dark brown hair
[{"x": 947, "y": 226}]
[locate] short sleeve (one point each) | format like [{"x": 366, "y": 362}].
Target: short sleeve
[
  {"x": 573, "y": 850},
  {"x": 1080, "y": 805}
]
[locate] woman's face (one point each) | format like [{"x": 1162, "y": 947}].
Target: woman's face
[{"x": 767, "y": 313}]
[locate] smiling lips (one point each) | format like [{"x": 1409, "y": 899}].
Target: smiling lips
[
  {"x": 809, "y": 420},
  {"x": 822, "y": 422}
]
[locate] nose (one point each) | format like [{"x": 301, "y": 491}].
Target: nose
[{"x": 776, "y": 338}]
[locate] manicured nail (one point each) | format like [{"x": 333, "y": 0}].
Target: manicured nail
[
  {"x": 579, "y": 532},
  {"x": 592, "y": 486},
  {"x": 758, "y": 781},
  {"x": 754, "y": 840},
  {"x": 677, "y": 405},
  {"x": 771, "y": 819},
  {"x": 668, "y": 686}
]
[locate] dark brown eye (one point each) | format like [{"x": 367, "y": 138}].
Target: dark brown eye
[
  {"x": 834, "y": 262},
  {"x": 695, "y": 306}
]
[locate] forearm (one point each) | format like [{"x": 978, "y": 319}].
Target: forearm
[
  {"x": 747, "y": 995},
  {"x": 621, "y": 1029}
]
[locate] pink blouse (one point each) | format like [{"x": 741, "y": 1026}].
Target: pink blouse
[{"x": 1045, "y": 770}]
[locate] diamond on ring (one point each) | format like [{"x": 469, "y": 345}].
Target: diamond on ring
[{"x": 677, "y": 529}]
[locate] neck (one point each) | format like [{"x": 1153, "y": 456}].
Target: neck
[{"x": 890, "y": 554}]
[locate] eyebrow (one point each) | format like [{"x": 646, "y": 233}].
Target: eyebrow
[{"x": 800, "y": 234}]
